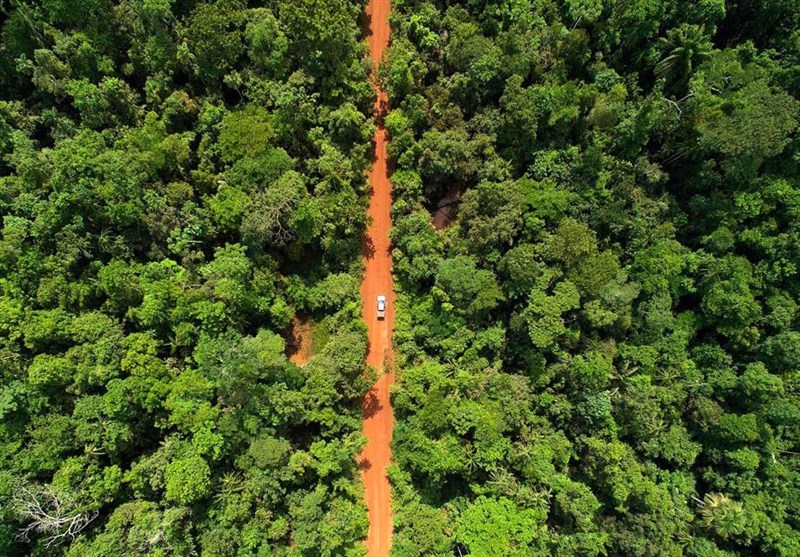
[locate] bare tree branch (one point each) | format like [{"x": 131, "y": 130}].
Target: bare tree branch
[{"x": 49, "y": 514}]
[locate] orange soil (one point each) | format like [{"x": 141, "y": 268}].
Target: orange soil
[
  {"x": 299, "y": 342},
  {"x": 378, "y": 417}
]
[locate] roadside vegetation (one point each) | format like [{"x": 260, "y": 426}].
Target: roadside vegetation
[
  {"x": 600, "y": 355},
  {"x": 178, "y": 181},
  {"x": 597, "y": 352}
]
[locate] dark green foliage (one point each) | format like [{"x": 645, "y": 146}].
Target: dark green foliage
[
  {"x": 599, "y": 356},
  {"x": 178, "y": 180}
]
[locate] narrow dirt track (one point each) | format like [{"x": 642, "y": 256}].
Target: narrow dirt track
[{"x": 378, "y": 419}]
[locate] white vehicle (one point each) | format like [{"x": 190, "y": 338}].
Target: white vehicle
[{"x": 381, "y": 306}]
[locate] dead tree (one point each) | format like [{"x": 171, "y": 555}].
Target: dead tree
[{"x": 55, "y": 516}]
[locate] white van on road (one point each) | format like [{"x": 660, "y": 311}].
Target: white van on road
[{"x": 381, "y": 306}]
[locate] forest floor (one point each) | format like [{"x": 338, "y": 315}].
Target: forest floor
[
  {"x": 378, "y": 418},
  {"x": 298, "y": 344},
  {"x": 446, "y": 208}
]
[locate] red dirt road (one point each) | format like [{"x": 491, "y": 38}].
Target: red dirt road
[{"x": 378, "y": 417}]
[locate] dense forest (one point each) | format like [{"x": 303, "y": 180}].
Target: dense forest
[
  {"x": 180, "y": 180},
  {"x": 596, "y": 251},
  {"x": 599, "y": 353}
]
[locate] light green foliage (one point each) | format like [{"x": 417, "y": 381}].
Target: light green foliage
[
  {"x": 213, "y": 39},
  {"x": 584, "y": 11},
  {"x": 498, "y": 527},
  {"x": 267, "y": 45},
  {"x": 445, "y": 158},
  {"x": 131, "y": 527},
  {"x": 597, "y": 356},
  {"x": 423, "y": 531},
  {"x": 187, "y": 480},
  {"x": 419, "y": 248},
  {"x": 684, "y": 48},
  {"x": 493, "y": 214},
  {"x": 268, "y": 452},
  {"x": 464, "y": 288},
  {"x": 245, "y": 133},
  {"x": 604, "y": 338},
  {"x": 765, "y": 117},
  {"x": 278, "y": 211},
  {"x": 324, "y": 34},
  {"x": 178, "y": 181},
  {"x": 545, "y": 313},
  {"x": 335, "y": 291},
  {"x": 110, "y": 103}
]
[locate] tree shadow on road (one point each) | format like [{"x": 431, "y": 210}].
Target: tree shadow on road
[
  {"x": 367, "y": 247},
  {"x": 364, "y": 464},
  {"x": 371, "y": 405}
]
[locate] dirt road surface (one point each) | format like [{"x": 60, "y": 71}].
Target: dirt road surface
[
  {"x": 299, "y": 341},
  {"x": 378, "y": 417}
]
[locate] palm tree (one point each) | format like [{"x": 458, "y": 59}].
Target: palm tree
[
  {"x": 232, "y": 482},
  {"x": 685, "y": 47},
  {"x": 722, "y": 514},
  {"x": 470, "y": 458}
]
